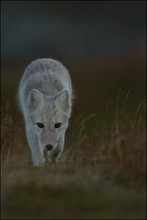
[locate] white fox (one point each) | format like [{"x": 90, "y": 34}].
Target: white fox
[{"x": 45, "y": 97}]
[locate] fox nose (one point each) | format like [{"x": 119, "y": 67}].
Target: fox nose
[{"x": 49, "y": 147}]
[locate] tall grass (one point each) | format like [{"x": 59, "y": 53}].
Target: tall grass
[
  {"x": 120, "y": 138},
  {"x": 101, "y": 172}
]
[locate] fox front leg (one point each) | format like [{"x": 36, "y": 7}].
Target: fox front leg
[
  {"x": 37, "y": 157},
  {"x": 37, "y": 154},
  {"x": 54, "y": 154}
]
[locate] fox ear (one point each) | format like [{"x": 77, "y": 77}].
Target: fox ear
[
  {"x": 62, "y": 100},
  {"x": 35, "y": 99}
]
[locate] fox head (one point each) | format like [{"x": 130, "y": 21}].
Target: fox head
[{"x": 49, "y": 116}]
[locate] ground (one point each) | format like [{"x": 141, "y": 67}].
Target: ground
[{"x": 100, "y": 175}]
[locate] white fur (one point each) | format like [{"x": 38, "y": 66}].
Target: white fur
[{"x": 45, "y": 96}]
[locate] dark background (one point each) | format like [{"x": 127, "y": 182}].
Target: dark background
[
  {"x": 102, "y": 43},
  {"x": 102, "y": 172}
]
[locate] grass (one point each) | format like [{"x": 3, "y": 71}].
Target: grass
[{"x": 101, "y": 173}]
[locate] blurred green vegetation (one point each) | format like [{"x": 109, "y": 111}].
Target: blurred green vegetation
[{"x": 84, "y": 193}]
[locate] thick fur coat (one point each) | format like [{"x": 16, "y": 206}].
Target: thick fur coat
[{"x": 45, "y": 98}]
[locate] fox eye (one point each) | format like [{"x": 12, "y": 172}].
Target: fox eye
[
  {"x": 57, "y": 125},
  {"x": 40, "y": 125}
]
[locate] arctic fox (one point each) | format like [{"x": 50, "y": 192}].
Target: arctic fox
[{"x": 45, "y": 98}]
